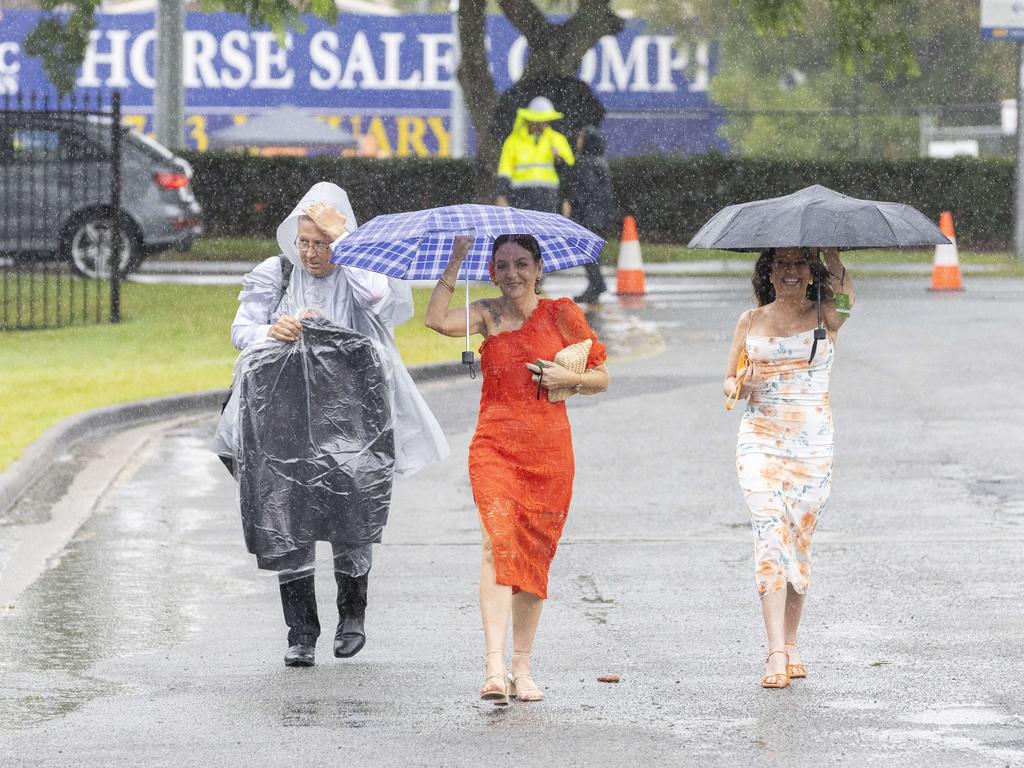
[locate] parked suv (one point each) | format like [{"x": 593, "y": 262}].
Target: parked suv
[{"x": 55, "y": 192}]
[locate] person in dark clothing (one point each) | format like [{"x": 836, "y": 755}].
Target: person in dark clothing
[{"x": 593, "y": 201}]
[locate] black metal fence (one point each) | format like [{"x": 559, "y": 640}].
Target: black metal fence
[{"x": 60, "y": 191}]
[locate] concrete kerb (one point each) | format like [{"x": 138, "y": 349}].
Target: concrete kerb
[{"x": 33, "y": 463}]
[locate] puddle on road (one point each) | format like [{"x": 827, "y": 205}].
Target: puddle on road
[
  {"x": 961, "y": 714},
  {"x": 1005, "y": 750},
  {"x": 951, "y": 741},
  {"x": 597, "y": 605},
  {"x": 319, "y": 713},
  {"x": 1004, "y": 496},
  {"x": 129, "y": 581},
  {"x": 976, "y": 728},
  {"x": 623, "y": 332},
  {"x": 855, "y": 705}
]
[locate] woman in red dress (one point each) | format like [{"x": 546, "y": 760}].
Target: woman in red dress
[{"x": 520, "y": 461}]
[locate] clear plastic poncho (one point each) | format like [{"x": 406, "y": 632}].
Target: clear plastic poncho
[{"x": 362, "y": 303}]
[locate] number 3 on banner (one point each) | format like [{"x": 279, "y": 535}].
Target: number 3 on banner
[{"x": 197, "y": 124}]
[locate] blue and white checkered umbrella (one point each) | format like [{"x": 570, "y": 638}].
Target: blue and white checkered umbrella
[{"x": 417, "y": 245}]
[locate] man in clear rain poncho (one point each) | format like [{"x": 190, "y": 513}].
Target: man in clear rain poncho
[{"x": 322, "y": 415}]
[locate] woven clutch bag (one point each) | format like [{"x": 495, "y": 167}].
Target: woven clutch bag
[{"x": 574, "y": 357}]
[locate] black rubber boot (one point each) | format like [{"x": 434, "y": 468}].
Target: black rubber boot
[
  {"x": 298, "y": 599},
  {"x": 300, "y": 655},
  {"x": 595, "y": 286},
  {"x": 351, "y": 634}
]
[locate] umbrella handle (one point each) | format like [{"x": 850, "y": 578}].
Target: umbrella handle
[
  {"x": 467, "y": 356},
  {"x": 819, "y": 332}
]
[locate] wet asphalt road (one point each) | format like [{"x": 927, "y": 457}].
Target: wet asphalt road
[{"x": 152, "y": 640}]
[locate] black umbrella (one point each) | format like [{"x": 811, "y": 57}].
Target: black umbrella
[
  {"x": 570, "y": 96},
  {"x": 817, "y": 216}
]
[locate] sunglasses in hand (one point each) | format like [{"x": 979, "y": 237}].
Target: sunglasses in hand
[{"x": 540, "y": 377}]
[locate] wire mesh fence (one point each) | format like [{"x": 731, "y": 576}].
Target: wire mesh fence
[{"x": 60, "y": 188}]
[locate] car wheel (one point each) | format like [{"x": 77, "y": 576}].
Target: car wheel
[{"x": 88, "y": 244}]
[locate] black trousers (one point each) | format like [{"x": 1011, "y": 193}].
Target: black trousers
[
  {"x": 298, "y": 599},
  {"x": 595, "y": 280},
  {"x": 534, "y": 198}
]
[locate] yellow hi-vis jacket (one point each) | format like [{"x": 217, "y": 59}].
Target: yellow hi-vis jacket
[{"x": 529, "y": 161}]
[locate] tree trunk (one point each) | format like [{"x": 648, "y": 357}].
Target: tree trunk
[
  {"x": 479, "y": 93},
  {"x": 554, "y": 49}
]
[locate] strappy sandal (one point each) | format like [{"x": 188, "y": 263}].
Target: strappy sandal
[
  {"x": 776, "y": 679},
  {"x": 530, "y": 693},
  {"x": 795, "y": 671},
  {"x": 498, "y": 694},
  {"x": 517, "y": 691}
]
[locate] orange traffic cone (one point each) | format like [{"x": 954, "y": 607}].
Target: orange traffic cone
[
  {"x": 946, "y": 266},
  {"x": 629, "y": 276}
]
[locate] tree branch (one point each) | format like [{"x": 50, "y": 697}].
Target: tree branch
[
  {"x": 529, "y": 20},
  {"x": 559, "y": 48},
  {"x": 593, "y": 20}
]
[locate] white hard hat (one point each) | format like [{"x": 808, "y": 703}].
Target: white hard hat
[
  {"x": 541, "y": 110},
  {"x": 541, "y": 104}
]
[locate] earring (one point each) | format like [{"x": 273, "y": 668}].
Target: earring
[{"x": 536, "y": 286}]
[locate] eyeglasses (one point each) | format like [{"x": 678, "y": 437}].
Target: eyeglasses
[{"x": 318, "y": 246}]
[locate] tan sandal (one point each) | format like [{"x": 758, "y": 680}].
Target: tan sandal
[
  {"x": 529, "y": 693},
  {"x": 776, "y": 679},
  {"x": 498, "y": 694},
  {"x": 796, "y": 671},
  {"x": 516, "y": 689}
]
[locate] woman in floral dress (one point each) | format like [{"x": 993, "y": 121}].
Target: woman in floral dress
[{"x": 784, "y": 450}]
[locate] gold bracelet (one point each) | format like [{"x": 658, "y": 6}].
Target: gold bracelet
[{"x": 446, "y": 284}]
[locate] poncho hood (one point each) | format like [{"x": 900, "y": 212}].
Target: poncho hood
[{"x": 321, "y": 192}]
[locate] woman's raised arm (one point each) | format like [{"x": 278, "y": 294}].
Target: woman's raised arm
[
  {"x": 840, "y": 282},
  {"x": 439, "y": 316}
]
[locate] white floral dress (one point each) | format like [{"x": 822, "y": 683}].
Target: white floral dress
[{"x": 784, "y": 455}]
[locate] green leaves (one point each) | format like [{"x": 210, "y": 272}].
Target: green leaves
[
  {"x": 774, "y": 16},
  {"x": 848, "y": 78},
  {"x": 861, "y": 29},
  {"x": 61, "y": 42}
]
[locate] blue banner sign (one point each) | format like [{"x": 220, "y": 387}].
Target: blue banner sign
[{"x": 387, "y": 80}]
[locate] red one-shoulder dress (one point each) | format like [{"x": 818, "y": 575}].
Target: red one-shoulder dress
[{"x": 520, "y": 461}]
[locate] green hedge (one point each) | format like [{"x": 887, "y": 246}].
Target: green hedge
[
  {"x": 245, "y": 195},
  {"x": 671, "y": 197}
]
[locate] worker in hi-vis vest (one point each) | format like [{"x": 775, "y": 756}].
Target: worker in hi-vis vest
[{"x": 527, "y": 176}]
